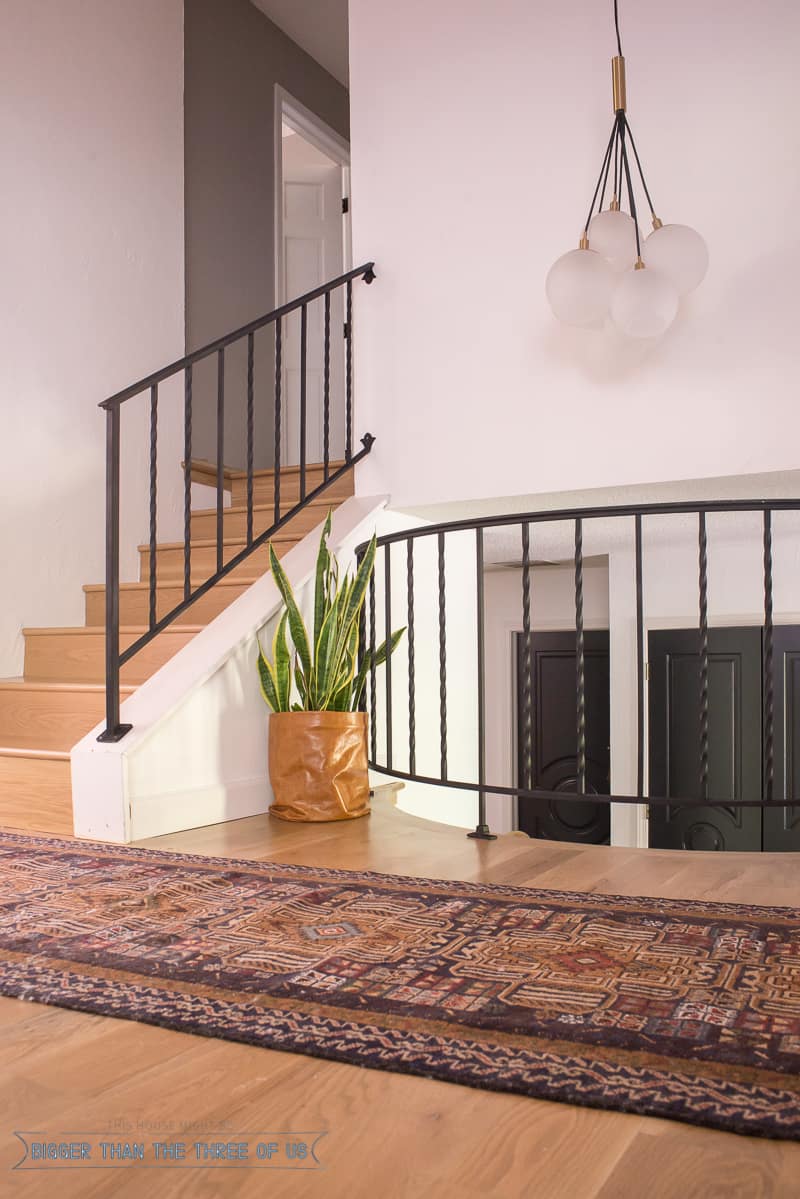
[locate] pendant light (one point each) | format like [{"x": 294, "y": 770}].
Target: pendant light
[{"x": 638, "y": 282}]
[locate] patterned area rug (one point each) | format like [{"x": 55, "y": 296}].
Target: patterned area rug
[{"x": 660, "y": 1007}]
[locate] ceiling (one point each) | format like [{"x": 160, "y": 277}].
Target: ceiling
[{"x": 318, "y": 26}]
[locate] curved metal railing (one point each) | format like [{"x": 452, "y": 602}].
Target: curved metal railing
[{"x": 394, "y": 707}]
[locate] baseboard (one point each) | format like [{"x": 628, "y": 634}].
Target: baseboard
[{"x": 155, "y": 815}]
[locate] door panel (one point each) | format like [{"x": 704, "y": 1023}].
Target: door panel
[
  {"x": 734, "y": 738},
  {"x": 782, "y": 825},
  {"x": 554, "y": 736},
  {"x": 312, "y": 254}
]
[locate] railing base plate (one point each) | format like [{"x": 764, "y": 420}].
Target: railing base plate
[
  {"x": 115, "y": 734},
  {"x": 482, "y": 833}
]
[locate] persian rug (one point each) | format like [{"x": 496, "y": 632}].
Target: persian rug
[{"x": 656, "y": 1006}]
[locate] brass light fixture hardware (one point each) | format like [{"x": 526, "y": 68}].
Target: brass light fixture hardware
[{"x": 618, "y": 82}]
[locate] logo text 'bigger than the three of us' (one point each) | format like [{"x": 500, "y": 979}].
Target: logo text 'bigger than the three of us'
[{"x": 293, "y": 1151}]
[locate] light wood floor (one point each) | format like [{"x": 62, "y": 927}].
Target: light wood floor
[{"x": 387, "y": 1135}]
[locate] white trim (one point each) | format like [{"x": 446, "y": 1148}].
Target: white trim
[{"x": 289, "y": 111}]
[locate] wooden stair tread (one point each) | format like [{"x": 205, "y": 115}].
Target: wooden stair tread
[
  {"x": 267, "y": 472},
  {"x": 93, "y": 630},
  {"x": 23, "y": 684},
  {"x": 239, "y": 508},
  {"x": 177, "y": 584},
  {"x": 26, "y": 747},
  {"x": 204, "y": 543}
]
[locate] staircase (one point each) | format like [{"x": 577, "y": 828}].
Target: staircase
[{"x": 61, "y": 695}]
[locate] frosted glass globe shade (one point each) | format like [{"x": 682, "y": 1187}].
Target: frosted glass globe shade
[
  {"x": 644, "y": 304},
  {"x": 678, "y": 253},
  {"x": 612, "y": 234},
  {"x": 579, "y": 286}
]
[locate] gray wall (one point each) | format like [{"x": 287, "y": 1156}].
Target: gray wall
[{"x": 234, "y": 56}]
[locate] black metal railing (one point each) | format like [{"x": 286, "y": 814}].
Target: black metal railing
[
  {"x": 402, "y": 607},
  {"x": 192, "y": 587}
]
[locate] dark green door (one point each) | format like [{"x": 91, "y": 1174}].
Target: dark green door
[
  {"x": 734, "y": 738},
  {"x": 782, "y": 825},
  {"x": 554, "y": 761}
]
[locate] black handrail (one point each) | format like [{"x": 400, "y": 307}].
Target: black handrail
[
  {"x": 438, "y": 628},
  {"x": 332, "y": 471},
  {"x": 365, "y": 272}
]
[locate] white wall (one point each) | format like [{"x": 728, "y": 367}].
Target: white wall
[
  {"x": 91, "y": 257},
  {"x": 477, "y": 132}
]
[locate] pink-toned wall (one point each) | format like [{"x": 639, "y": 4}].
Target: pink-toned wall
[
  {"x": 477, "y": 132},
  {"x": 91, "y": 284}
]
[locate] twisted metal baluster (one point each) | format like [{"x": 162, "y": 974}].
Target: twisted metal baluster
[
  {"x": 250, "y": 412},
  {"x": 412, "y": 692},
  {"x": 348, "y": 377},
  {"x": 303, "y": 396},
  {"x": 153, "y": 498},
  {"x": 580, "y": 672},
  {"x": 278, "y": 381},
  {"x": 639, "y": 661},
  {"x": 373, "y": 697},
  {"x": 220, "y": 456},
  {"x": 187, "y": 485},
  {"x": 387, "y": 601},
  {"x": 703, "y": 544},
  {"x": 527, "y": 680},
  {"x": 442, "y": 662},
  {"x": 769, "y": 698},
  {"x": 326, "y": 391}
]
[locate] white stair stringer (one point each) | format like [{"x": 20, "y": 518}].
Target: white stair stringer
[{"x": 197, "y": 752}]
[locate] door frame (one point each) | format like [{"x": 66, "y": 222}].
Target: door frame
[{"x": 290, "y": 111}]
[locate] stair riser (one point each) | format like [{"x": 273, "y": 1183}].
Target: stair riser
[
  {"x": 134, "y": 606},
  {"x": 204, "y": 524},
  {"x": 57, "y": 719},
  {"x": 66, "y": 658},
  {"x": 204, "y": 562},
  {"x": 35, "y": 794},
  {"x": 264, "y": 488}
]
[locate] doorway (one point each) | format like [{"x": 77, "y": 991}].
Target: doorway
[
  {"x": 735, "y": 682},
  {"x": 312, "y": 246},
  {"x": 553, "y": 758}
]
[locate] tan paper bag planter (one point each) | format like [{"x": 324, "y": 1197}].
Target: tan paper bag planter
[
  {"x": 318, "y": 765},
  {"x": 316, "y": 688}
]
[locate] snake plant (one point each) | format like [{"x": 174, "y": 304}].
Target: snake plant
[{"x": 321, "y": 672}]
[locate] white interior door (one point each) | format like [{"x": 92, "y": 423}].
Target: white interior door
[{"x": 312, "y": 254}]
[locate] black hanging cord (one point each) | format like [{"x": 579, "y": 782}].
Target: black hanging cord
[
  {"x": 607, "y": 172},
  {"x": 627, "y": 170},
  {"x": 616, "y": 26},
  {"x": 606, "y": 160},
  {"x": 639, "y": 165}
]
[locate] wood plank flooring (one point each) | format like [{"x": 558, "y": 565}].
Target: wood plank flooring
[{"x": 387, "y": 1135}]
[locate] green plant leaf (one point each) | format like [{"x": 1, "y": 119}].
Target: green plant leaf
[
  {"x": 354, "y": 593},
  {"x": 266, "y": 677},
  {"x": 296, "y": 623},
  {"x": 343, "y": 672},
  {"x": 282, "y": 664},
  {"x": 324, "y": 656},
  {"x": 322, "y": 579},
  {"x": 380, "y": 657}
]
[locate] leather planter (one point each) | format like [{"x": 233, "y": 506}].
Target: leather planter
[{"x": 318, "y": 765}]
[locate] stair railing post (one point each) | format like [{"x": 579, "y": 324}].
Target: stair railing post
[
  {"x": 114, "y": 731},
  {"x": 481, "y": 831}
]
